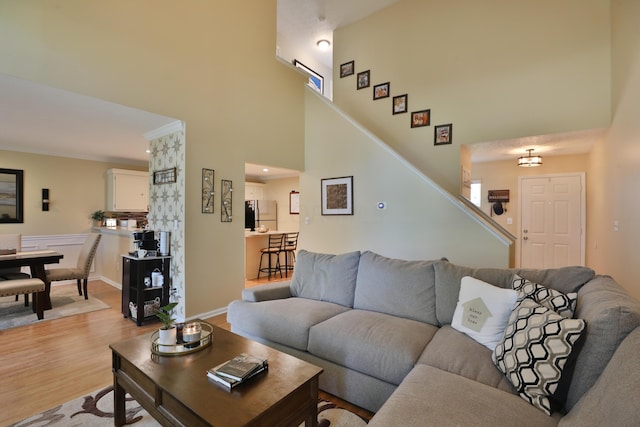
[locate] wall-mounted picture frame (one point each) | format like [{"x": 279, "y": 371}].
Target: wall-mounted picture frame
[
  {"x": 226, "y": 200},
  {"x": 207, "y": 190},
  {"x": 381, "y": 91},
  {"x": 443, "y": 134},
  {"x": 420, "y": 118},
  {"x": 165, "y": 176},
  {"x": 11, "y": 196},
  {"x": 363, "y": 79},
  {"x": 400, "y": 104},
  {"x": 316, "y": 81},
  {"x": 337, "y": 196},
  {"x": 294, "y": 203},
  {"x": 347, "y": 69}
]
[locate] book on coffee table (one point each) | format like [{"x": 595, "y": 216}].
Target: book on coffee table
[
  {"x": 229, "y": 383},
  {"x": 241, "y": 367}
]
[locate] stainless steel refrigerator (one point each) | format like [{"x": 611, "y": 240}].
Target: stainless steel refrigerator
[{"x": 264, "y": 212}]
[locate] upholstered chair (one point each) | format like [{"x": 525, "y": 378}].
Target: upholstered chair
[
  {"x": 81, "y": 271},
  {"x": 10, "y": 244}
]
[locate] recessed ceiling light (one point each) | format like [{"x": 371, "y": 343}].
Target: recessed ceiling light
[
  {"x": 265, "y": 169},
  {"x": 323, "y": 44},
  {"x": 148, "y": 151}
]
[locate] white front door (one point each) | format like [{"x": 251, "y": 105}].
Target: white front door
[{"x": 552, "y": 215}]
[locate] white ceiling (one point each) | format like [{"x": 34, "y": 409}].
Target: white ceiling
[
  {"x": 304, "y": 22},
  {"x": 40, "y": 119}
]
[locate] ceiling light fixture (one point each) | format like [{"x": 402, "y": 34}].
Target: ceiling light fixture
[
  {"x": 529, "y": 161},
  {"x": 323, "y": 44}
]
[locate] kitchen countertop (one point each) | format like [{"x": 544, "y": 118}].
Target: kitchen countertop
[
  {"x": 121, "y": 231},
  {"x": 257, "y": 233}
]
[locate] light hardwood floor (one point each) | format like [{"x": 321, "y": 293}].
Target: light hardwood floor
[{"x": 51, "y": 362}]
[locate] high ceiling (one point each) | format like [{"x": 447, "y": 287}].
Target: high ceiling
[{"x": 304, "y": 22}]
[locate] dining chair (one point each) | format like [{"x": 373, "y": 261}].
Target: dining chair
[
  {"x": 274, "y": 248},
  {"x": 81, "y": 271},
  {"x": 289, "y": 247},
  {"x": 10, "y": 244}
]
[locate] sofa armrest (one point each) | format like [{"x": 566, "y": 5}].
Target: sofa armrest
[{"x": 267, "y": 292}]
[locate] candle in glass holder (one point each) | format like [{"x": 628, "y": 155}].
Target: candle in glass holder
[{"x": 191, "y": 334}]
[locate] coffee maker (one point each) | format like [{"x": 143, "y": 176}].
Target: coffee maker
[{"x": 145, "y": 240}]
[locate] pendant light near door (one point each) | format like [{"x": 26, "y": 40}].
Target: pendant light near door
[{"x": 529, "y": 161}]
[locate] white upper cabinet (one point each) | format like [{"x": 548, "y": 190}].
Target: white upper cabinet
[{"x": 127, "y": 190}]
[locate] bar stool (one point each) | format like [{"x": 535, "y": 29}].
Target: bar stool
[
  {"x": 289, "y": 247},
  {"x": 275, "y": 247}
]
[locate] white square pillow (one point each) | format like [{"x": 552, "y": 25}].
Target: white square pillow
[{"x": 483, "y": 311}]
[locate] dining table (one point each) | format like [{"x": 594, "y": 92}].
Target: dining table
[{"x": 36, "y": 261}]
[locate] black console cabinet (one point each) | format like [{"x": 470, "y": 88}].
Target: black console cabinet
[{"x": 134, "y": 272}]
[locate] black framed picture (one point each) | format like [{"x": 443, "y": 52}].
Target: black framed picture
[
  {"x": 316, "y": 81},
  {"x": 420, "y": 118},
  {"x": 337, "y": 196},
  {"x": 443, "y": 134},
  {"x": 347, "y": 69},
  {"x": 11, "y": 195},
  {"x": 381, "y": 91},
  {"x": 400, "y": 104},
  {"x": 363, "y": 79}
]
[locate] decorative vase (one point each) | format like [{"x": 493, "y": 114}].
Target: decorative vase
[{"x": 167, "y": 337}]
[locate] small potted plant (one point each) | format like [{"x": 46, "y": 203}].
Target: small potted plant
[
  {"x": 167, "y": 334},
  {"x": 97, "y": 217}
]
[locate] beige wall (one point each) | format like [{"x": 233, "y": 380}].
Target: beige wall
[
  {"x": 76, "y": 189},
  {"x": 421, "y": 221},
  {"x": 238, "y": 102},
  {"x": 278, "y": 190},
  {"x": 496, "y": 69},
  {"x": 615, "y": 162}
]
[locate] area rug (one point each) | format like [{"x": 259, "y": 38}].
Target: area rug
[
  {"x": 64, "y": 300},
  {"x": 96, "y": 409}
]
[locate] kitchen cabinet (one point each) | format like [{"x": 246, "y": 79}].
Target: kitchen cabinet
[
  {"x": 127, "y": 190},
  {"x": 253, "y": 191},
  {"x": 136, "y": 294}
]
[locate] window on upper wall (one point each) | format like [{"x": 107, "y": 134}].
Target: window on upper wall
[{"x": 476, "y": 191}]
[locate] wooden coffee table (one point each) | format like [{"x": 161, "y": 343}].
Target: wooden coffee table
[{"x": 176, "y": 391}]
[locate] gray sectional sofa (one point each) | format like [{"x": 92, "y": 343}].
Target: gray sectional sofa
[{"x": 382, "y": 330}]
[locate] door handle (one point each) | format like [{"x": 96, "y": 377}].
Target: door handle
[{"x": 525, "y": 238}]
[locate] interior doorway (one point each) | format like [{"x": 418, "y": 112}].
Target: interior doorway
[{"x": 552, "y": 220}]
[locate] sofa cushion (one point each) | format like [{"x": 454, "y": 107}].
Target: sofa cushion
[
  {"x": 610, "y": 314},
  {"x": 429, "y": 396},
  {"x": 613, "y": 399},
  {"x": 536, "y": 346},
  {"x": 286, "y": 321},
  {"x": 448, "y": 276},
  {"x": 455, "y": 352},
  {"x": 562, "y": 304},
  {"x": 483, "y": 310},
  {"x": 396, "y": 287},
  {"x": 377, "y": 344},
  {"x": 325, "y": 277}
]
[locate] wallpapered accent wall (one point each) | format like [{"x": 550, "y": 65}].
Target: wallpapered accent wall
[{"x": 167, "y": 204}]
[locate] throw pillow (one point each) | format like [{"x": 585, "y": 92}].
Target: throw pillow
[
  {"x": 535, "y": 349},
  {"x": 562, "y": 304},
  {"x": 483, "y": 310}
]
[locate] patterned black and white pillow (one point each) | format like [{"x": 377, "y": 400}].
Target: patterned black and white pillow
[
  {"x": 535, "y": 349},
  {"x": 563, "y": 304}
]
